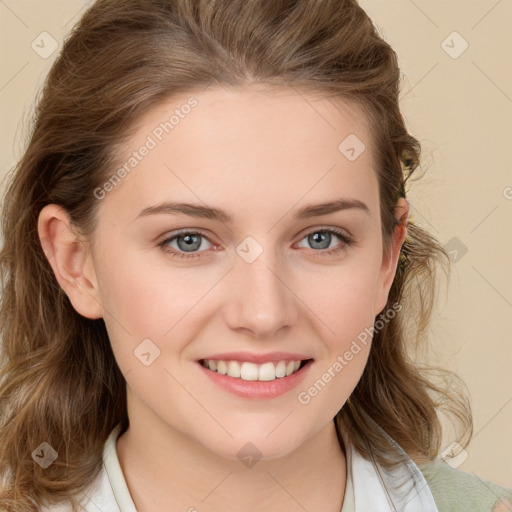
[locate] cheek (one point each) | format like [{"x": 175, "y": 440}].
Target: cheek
[
  {"x": 150, "y": 297},
  {"x": 342, "y": 297},
  {"x": 150, "y": 302},
  {"x": 327, "y": 389},
  {"x": 344, "y": 317},
  {"x": 341, "y": 301}
]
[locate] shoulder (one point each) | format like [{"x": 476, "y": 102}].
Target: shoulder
[{"x": 457, "y": 491}]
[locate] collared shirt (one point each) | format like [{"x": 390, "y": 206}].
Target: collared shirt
[{"x": 369, "y": 487}]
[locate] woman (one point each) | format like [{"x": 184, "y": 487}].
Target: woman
[{"x": 174, "y": 337}]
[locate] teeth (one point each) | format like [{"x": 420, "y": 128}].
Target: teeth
[
  {"x": 281, "y": 369},
  {"x": 233, "y": 369},
  {"x": 251, "y": 371}
]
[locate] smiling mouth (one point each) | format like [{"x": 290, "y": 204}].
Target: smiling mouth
[{"x": 255, "y": 372}]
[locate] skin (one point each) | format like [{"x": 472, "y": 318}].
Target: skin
[{"x": 261, "y": 156}]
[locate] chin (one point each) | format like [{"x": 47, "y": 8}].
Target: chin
[{"x": 250, "y": 449}]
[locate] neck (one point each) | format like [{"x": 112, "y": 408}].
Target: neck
[{"x": 165, "y": 470}]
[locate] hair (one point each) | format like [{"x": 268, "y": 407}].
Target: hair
[{"x": 59, "y": 381}]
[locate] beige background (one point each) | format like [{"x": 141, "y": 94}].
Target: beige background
[{"x": 459, "y": 107}]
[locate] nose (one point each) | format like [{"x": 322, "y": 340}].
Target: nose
[{"x": 260, "y": 300}]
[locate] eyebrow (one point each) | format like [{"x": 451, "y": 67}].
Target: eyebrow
[{"x": 217, "y": 214}]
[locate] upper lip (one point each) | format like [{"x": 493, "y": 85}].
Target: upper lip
[{"x": 252, "y": 357}]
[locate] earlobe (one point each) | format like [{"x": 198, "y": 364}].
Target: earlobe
[
  {"x": 390, "y": 260},
  {"x": 70, "y": 260}
]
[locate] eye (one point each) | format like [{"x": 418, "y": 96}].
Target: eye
[
  {"x": 320, "y": 239},
  {"x": 188, "y": 242}
]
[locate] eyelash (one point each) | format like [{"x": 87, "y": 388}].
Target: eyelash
[{"x": 320, "y": 253}]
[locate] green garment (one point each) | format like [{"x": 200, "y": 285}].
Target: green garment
[{"x": 457, "y": 491}]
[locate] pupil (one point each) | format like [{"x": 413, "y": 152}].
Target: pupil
[
  {"x": 321, "y": 236},
  {"x": 190, "y": 240}
]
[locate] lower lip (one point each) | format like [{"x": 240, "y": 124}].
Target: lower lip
[{"x": 256, "y": 389}]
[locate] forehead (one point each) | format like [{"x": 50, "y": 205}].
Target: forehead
[
  {"x": 237, "y": 144},
  {"x": 251, "y": 113}
]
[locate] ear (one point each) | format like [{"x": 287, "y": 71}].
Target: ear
[
  {"x": 390, "y": 258},
  {"x": 70, "y": 260}
]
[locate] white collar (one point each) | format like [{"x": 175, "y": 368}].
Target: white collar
[
  {"x": 369, "y": 486},
  {"x": 401, "y": 489}
]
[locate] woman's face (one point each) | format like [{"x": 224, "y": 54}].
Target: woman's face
[{"x": 267, "y": 280}]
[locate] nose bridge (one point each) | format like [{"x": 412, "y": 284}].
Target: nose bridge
[{"x": 261, "y": 300}]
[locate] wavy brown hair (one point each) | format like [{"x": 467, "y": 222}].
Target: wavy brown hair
[{"x": 59, "y": 381}]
